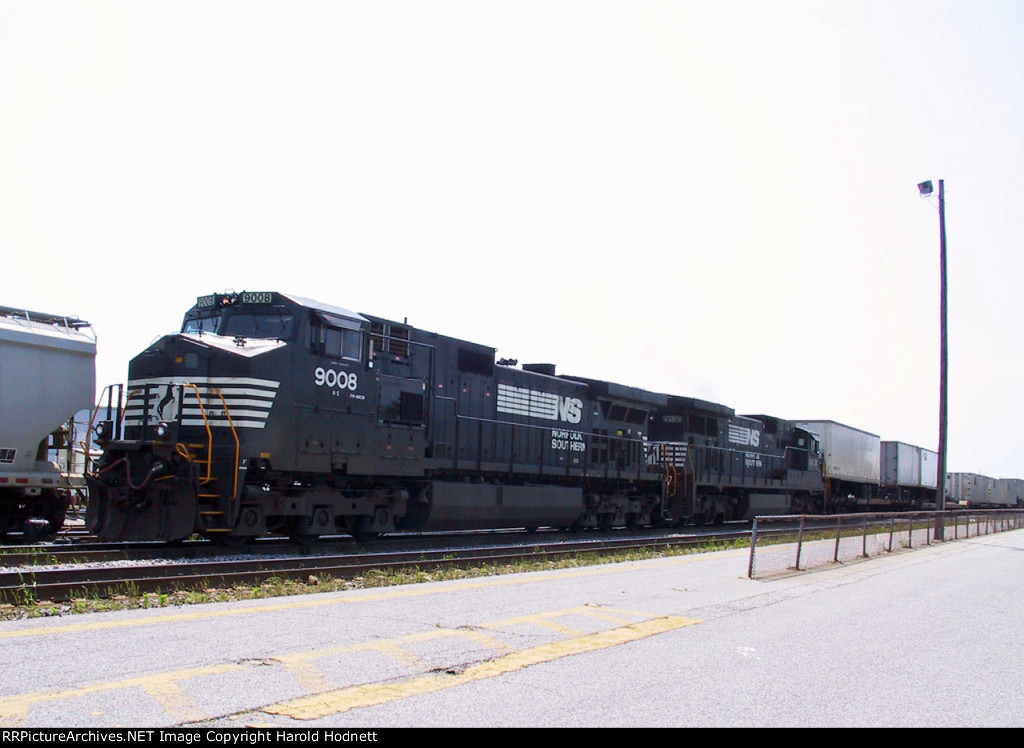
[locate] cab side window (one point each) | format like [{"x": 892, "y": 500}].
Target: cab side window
[{"x": 335, "y": 337}]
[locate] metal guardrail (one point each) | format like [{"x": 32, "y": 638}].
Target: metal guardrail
[{"x": 814, "y": 541}]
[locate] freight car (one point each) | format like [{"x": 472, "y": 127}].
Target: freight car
[
  {"x": 851, "y": 466},
  {"x": 983, "y": 492},
  {"x": 47, "y": 374},
  {"x": 274, "y": 413},
  {"x": 863, "y": 473},
  {"x": 1009, "y": 492},
  {"x": 969, "y": 489},
  {"x": 909, "y": 476}
]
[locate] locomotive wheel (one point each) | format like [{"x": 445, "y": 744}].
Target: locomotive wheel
[{"x": 303, "y": 530}]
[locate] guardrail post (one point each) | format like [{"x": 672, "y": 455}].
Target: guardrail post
[
  {"x": 800, "y": 543},
  {"x": 839, "y": 533},
  {"x": 753, "y": 545}
]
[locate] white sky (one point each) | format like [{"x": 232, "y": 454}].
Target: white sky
[{"x": 708, "y": 198}]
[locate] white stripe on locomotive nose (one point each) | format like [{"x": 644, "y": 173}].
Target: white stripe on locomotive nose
[{"x": 248, "y": 400}]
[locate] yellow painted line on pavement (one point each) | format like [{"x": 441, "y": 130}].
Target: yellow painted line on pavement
[
  {"x": 174, "y": 700},
  {"x": 307, "y": 675},
  {"x": 345, "y": 699},
  {"x": 613, "y": 615},
  {"x": 166, "y": 690},
  {"x": 398, "y": 642},
  {"x": 353, "y": 597},
  {"x": 162, "y": 686}
]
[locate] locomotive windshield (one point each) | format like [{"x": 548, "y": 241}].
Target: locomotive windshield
[{"x": 272, "y": 323}]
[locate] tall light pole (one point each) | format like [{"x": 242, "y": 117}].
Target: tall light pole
[{"x": 925, "y": 188}]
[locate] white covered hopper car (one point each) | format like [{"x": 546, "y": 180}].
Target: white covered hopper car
[{"x": 47, "y": 375}]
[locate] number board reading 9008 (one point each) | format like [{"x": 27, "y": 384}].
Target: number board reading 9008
[{"x": 246, "y": 297}]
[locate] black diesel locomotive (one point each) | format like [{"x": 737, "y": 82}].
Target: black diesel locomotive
[{"x": 273, "y": 413}]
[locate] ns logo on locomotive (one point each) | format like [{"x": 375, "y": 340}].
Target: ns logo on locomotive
[{"x": 271, "y": 413}]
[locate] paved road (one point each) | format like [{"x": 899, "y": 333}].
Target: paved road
[{"x": 932, "y": 637}]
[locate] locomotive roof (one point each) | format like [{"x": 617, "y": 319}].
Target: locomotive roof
[
  {"x": 677, "y": 403},
  {"x": 611, "y": 390},
  {"x": 809, "y": 424},
  {"x": 319, "y": 306}
]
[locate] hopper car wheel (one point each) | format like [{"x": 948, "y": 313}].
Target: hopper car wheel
[
  {"x": 36, "y": 531},
  {"x": 364, "y": 536},
  {"x": 56, "y": 520}
]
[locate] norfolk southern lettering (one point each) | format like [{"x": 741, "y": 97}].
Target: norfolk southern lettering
[{"x": 537, "y": 404}]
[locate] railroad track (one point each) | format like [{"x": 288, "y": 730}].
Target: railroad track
[
  {"x": 98, "y": 552},
  {"x": 65, "y": 583},
  {"x": 82, "y": 552}
]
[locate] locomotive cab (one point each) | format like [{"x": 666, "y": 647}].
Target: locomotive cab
[{"x": 199, "y": 434}]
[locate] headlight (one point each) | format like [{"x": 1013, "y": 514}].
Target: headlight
[{"x": 162, "y": 429}]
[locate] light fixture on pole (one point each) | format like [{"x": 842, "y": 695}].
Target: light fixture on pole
[{"x": 925, "y": 188}]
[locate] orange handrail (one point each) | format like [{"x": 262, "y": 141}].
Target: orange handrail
[{"x": 238, "y": 444}]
